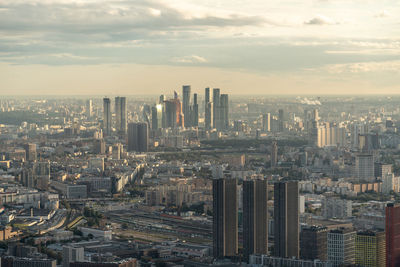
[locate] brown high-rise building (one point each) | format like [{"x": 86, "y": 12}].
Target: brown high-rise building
[
  {"x": 313, "y": 243},
  {"x": 392, "y": 230},
  {"x": 286, "y": 219},
  {"x": 255, "y": 217},
  {"x": 225, "y": 218}
]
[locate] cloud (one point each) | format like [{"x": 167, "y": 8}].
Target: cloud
[
  {"x": 189, "y": 59},
  {"x": 320, "y": 20},
  {"x": 382, "y": 14},
  {"x": 392, "y": 66}
]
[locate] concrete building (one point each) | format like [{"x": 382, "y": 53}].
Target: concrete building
[
  {"x": 341, "y": 246},
  {"x": 120, "y": 115},
  {"x": 334, "y": 207},
  {"x": 274, "y": 154},
  {"x": 269, "y": 261},
  {"x": 107, "y": 116},
  {"x": 72, "y": 254},
  {"x": 225, "y": 218},
  {"x": 313, "y": 243},
  {"x": 371, "y": 249},
  {"x": 286, "y": 219},
  {"x": 138, "y": 137},
  {"x": 364, "y": 167},
  {"x": 255, "y": 217}
]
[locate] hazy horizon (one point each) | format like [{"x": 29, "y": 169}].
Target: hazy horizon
[{"x": 127, "y": 47}]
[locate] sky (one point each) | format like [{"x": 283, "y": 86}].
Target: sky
[{"x": 137, "y": 47}]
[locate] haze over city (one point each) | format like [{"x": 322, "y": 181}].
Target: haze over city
[{"x": 257, "y": 47}]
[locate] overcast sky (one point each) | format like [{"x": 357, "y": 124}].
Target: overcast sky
[{"x": 243, "y": 47}]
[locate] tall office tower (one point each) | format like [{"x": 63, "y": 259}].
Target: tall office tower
[
  {"x": 186, "y": 104},
  {"x": 341, "y": 247},
  {"x": 274, "y": 154},
  {"x": 161, "y": 99},
  {"x": 208, "y": 120},
  {"x": 106, "y": 116},
  {"x": 154, "y": 118},
  {"x": 392, "y": 226},
  {"x": 225, "y": 218},
  {"x": 72, "y": 254},
  {"x": 313, "y": 242},
  {"x": 209, "y": 116},
  {"x": 138, "y": 137},
  {"x": 370, "y": 249},
  {"x": 255, "y": 217},
  {"x": 224, "y": 112},
  {"x": 364, "y": 167},
  {"x": 120, "y": 114},
  {"x": 286, "y": 219},
  {"x": 281, "y": 120},
  {"x": 30, "y": 151},
  {"x": 266, "y": 122},
  {"x": 382, "y": 169},
  {"x": 216, "y": 108},
  {"x": 315, "y": 116},
  {"x": 173, "y": 113},
  {"x": 89, "y": 108},
  {"x": 195, "y": 112}
]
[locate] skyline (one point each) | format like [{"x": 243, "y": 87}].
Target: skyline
[{"x": 120, "y": 47}]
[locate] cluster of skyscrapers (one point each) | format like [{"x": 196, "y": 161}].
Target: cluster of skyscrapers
[
  {"x": 174, "y": 113},
  {"x": 136, "y": 133},
  {"x": 255, "y": 218}
]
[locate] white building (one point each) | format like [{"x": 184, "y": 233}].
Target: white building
[
  {"x": 390, "y": 183},
  {"x": 334, "y": 207},
  {"x": 341, "y": 246},
  {"x": 364, "y": 168}
]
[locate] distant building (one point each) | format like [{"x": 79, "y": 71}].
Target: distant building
[
  {"x": 266, "y": 123},
  {"x": 120, "y": 115},
  {"x": 27, "y": 262},
  {"x": 370, "y": 249},
  {"x": 281, "y": 120},
  {"x": 174, "y": 117},
  {"x": 186, "y": 104},
  {"x": 99, "y": 146},
  {"x": 107, "y": 116},
  {"x": 255, "y": 217},
  {"x": 216, "y": 108},
  {"x": 270, "y": 261},
  {"x": 341, "y": 246},
  {"x": 225, "y": 218},
  {"x": 122, "y": 263},
  {"x": 208, "y": 110},
  {"x": 30, "y": 150},
  {"x": 286, "y": 219},
  {"x": 274, "y": 154},
  {"x": 72, "y": 254},
  {"x": 364, "y": 168},
  {"x": 195, "y": 112},
  {"x": 89, "y": 108},
  {"x": 224, "y": 112},
  {"x": 334, "y": 207},
  {"x": 313, "y": 243},
  {"x": 138, "y": 137},
  {"x": 381, "y": 169}
]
